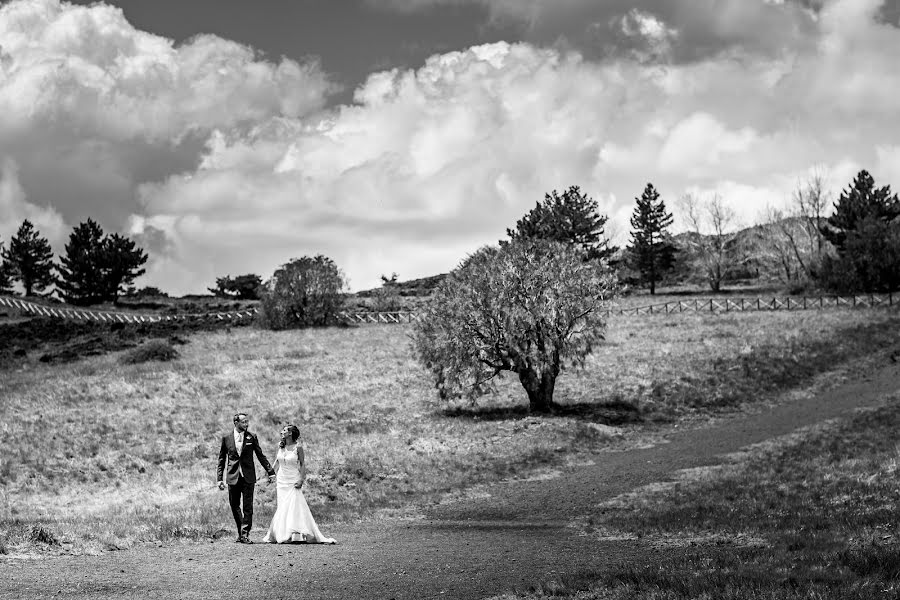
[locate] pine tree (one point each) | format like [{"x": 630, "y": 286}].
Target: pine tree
[
  {"x": 860, "y": 201},
  {"x": 81, "y": 279},
  {"x": 121, "y": 264},
  {"x": 5, "y": 278},
  {"x": 572, "y": 218},
  {"x": 651, "y": 252},
  {"x": 30, "y": 259},
  {"x": 865, "y": 231}
]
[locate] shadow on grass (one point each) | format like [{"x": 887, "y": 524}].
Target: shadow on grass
[{"x": 612, "y": 412}]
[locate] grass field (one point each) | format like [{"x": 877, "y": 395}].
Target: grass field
[
  {"x": 102, "y": 455},
  {"x": 813, "y": 516}
]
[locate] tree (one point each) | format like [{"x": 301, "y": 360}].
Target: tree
[
  {"x": 97, "y": 268},
  {"x": 791, "y": 244},
  {"x": 859, "y": 201},
  {"x": 387, "y": 297},
  {"x": 301, "y": 293},
  {"x": 571, "y": 218},
  {"x": 715, "y": 250},
  {"x": 652, "y": 252},
  {"x": 122, "y": 262},
  {"x": 864, "y": 231},
  {"x": 5, "y": 277},
  {"x": 81, "y": 279},
  {"x": 242, "y": 287},
  {"x": 531, "y": 307},
  {"x": 29, "y": 259}
]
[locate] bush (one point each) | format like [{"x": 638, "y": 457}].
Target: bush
[
  {"x": 39, "y": 535},
  {"x": 159, "y": 350},
  {"x": 302, "y": 293}
]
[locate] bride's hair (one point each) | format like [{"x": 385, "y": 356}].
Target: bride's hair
[{"x": 295, "y": 434}]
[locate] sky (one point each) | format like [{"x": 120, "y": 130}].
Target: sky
[{"x": 398, "y": 136}]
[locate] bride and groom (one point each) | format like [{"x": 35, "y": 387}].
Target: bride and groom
[{"x": 293, "y": 521}]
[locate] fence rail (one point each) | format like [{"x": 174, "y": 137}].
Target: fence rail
[
  {"x": 716, "y": 305},
  {"x": 709, "y": 305},
  {"x": 107, "y": 316},
  {"x": 402, "y": 316}
]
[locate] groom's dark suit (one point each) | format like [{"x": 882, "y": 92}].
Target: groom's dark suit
[{"x": 241, "y": 477}]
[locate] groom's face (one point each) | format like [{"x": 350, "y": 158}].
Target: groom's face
[{"x": 242, "y": 423}]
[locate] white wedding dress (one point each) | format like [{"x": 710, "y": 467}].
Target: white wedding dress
[{"x": 293, "y": 522}]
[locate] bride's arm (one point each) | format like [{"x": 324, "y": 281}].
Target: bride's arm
[{"x": 301, "y": 465}]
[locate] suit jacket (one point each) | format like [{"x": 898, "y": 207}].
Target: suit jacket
[{"x": 228, "y": 454}]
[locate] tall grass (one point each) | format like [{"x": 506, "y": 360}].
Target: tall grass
[{"x": 104, "y": 455}]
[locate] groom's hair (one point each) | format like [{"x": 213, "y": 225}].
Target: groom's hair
[{"x": 237, "y": 416}]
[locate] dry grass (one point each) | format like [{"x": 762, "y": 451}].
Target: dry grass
[{"x": 101, "y": 455}]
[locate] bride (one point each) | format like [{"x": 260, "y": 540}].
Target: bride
[{"x": 292, "y": 521}]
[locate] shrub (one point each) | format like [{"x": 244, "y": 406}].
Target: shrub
[
  {"x": 302, "y": 293},
  {"x": 43, "y": 536},
  {"x": 159, "y": 350}
]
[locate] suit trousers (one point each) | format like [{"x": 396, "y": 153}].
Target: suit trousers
[{"x": 240, "y": 494}]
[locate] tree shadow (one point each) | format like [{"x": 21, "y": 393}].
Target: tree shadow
[
  {"x": 487, "y": 413},
  {"x": 608, "y": 412}
]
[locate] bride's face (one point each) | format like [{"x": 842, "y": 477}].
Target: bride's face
[{"x": 285, "y": 433}]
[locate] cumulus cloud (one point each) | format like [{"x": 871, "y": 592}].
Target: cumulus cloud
[
  {"x": 447, "y": 156},
  {"x": 90, "y": 106},
  {"x": 15, "y": 208}
]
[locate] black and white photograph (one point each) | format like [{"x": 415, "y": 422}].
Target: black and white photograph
[{"x": 450, "y": 299}]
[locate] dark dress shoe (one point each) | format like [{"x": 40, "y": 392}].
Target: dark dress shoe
[{"x": 245, "y": 540}]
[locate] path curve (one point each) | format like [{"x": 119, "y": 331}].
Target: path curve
[{"x": 471, "y": 548}]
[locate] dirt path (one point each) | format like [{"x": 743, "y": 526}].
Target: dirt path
[{"x": 518, "y": 536}]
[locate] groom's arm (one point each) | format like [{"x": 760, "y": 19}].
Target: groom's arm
[
  {"x": 220, "y": 469},
  {"x": 262, "y": 459}
]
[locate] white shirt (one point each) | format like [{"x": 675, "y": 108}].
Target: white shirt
[{"x": 238, "y": 444}]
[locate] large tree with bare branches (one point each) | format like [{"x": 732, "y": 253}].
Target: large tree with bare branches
[
  {"x": 711, "y": 223},
  {"x": 793, "y": 245}
]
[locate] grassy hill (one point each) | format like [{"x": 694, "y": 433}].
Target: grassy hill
[{"x": 102, "y": 453}]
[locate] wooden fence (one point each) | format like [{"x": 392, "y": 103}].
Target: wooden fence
[
  {"x": 717, "y": 305},
  {"x": 402, "y": 316},
  {"x": 708, "y": 305},
  {"x": 107, "y": 316}
]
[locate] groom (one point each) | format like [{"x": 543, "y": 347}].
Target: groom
[{"x": 238, "y": 448}]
